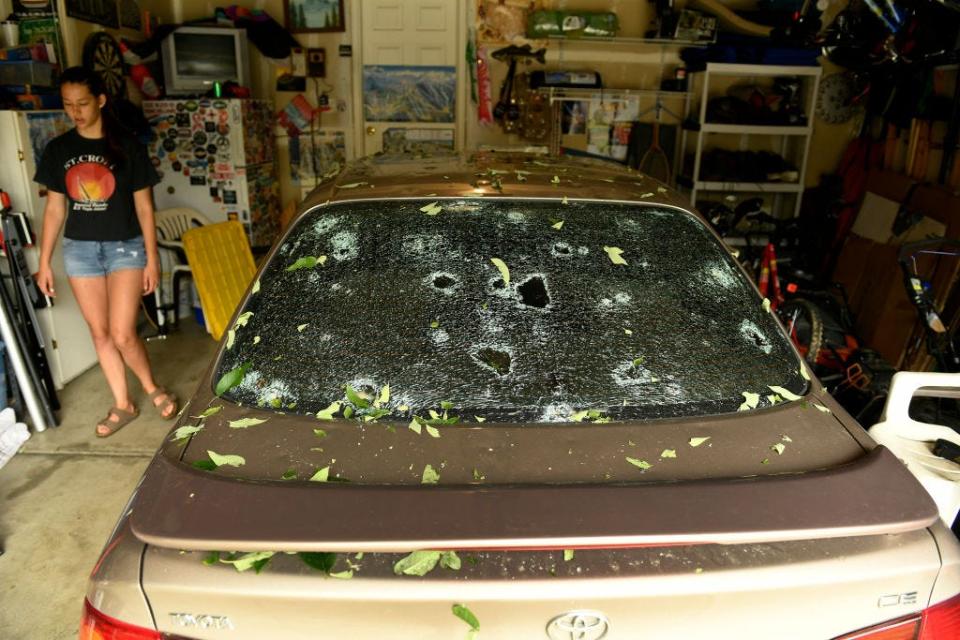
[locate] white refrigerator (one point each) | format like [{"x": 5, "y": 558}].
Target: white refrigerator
[
  {"x": 67, "y": 340},
  {"x": 217, "y": 157}
]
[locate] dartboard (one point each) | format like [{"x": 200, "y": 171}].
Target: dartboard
[
  {"x": 101, "y": 54},
  {"x": 835, "y": 102}
]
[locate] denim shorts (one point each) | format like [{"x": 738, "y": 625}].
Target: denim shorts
[{"x": 88, "y": 258}]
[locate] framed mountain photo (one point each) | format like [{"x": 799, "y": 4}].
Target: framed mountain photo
[{"x": 309, "y": 16}]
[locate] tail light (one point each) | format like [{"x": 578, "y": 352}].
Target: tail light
[
  {"x": 98, "y": 626},
  {"x": 939, "y": 622}
]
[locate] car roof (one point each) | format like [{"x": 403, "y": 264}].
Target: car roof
[{"x": 493, "y": 174}]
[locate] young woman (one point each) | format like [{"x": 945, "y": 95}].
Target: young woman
[{"x": 99, "y": 180}]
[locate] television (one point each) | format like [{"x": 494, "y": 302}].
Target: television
[{"x": 194, "y": 58}]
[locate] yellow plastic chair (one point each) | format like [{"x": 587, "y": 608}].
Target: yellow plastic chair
[{"x": 222, "y": 264}]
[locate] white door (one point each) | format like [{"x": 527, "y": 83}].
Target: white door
[{"x": 410, "y": 68}]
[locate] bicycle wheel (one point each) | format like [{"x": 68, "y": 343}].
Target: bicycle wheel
[{"x": 804, "y": 325}]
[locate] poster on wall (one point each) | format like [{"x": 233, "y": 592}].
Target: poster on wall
[
  {"x": 22, "y": 8},
  {"x": 409, "y": 94},
  {"x": 306, "y": 16},
  {"x": 130, "y": 14},
  {"x": 98, "y": 11}
]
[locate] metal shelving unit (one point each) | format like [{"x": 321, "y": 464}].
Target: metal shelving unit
[{"x": 811, "y": 77}]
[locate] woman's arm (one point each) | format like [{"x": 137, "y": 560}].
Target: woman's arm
[
  {"x": 143, "y": 201},
  {"x": 54, "y": 211}
]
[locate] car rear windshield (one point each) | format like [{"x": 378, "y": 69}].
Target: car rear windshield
[{"x": 511, "y": 310}]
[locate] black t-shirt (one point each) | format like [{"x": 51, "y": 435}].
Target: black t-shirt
[{"x": 99, "y": 193}]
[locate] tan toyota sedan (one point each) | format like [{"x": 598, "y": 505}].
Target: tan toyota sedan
[{"x": 501, "y": 396}]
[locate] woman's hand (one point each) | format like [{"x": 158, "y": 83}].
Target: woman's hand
[
  {"x": 151, "y": 275},
  {"x": 44, "y": 278}
]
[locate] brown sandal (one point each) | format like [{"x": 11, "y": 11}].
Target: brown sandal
[
  {"x": 123, "y": 419},
  {"x": 171, "y": 401}
]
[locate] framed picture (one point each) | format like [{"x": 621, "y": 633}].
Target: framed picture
[
  {"x": 99, "y": 11},
  {"x": 307, "y": 16}
]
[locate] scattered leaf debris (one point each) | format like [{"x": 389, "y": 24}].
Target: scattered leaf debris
[
  {"x": 614, "y": 253},
  {"x": 696, "y": 442}
]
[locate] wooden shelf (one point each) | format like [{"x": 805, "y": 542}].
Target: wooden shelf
[{"x": 756, "y": 129}]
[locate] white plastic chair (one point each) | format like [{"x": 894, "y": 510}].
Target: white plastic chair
[
  {"x": 913, "y": 441},
  {"x": 171, "y": 224}
]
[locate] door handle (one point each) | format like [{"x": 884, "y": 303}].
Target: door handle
[{"x": 371, "y": 131}]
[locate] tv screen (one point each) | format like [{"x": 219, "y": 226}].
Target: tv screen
[{"x": 206, "y": 55}]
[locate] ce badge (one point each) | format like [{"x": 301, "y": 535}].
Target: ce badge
[{"x": 578, "y": 625}]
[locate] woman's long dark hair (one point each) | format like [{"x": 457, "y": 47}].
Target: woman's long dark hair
[{"x": 111, "y": 127}]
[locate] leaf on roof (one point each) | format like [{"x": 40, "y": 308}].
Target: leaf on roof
[
  {"x": 568, "y": 555},
  {"x": 579, "y": 416},
  {"x": 182, "y": 433},
  {"x": 821, "y": 408},
  {"x": 774, "y": 398},
  {"x": 432, "y": 209},
  {"x": 301, "y": 327},
  {"x": 322, "y": 475},
  {"x": 785, "y": 393},
  {"x": 348, "y": 412},
  {"x": 320, "y": 433},
  {"x": 786, "y": 438},
  {"x": 614, "y": 254},
  {"x": 231, "y": 379},
  {"x": 249, "y": 560},
  {"x": 243, "y": 423},
  {"x": 415, "y": 426},
  {"x": 341, "y": 575},
  {"x": 502, "y": 267},
  {"x": 256, "y": 286},
  {"x": 766, "y": 305},
  {"x": 750, "y": 401},
  {"x": 629, "y": 332},
  {"x": 256, "y": 339},
  {"x": 450, "y": 560},
  {"x": 558, "y": 225},
  {"x": 430, "y": 475},
  {"x": 648, "y": 194},
  {"x": 289, "y": 474},
  {"x": 779, "y": 448},
  {"x": 418, "y": 563},
  {"x": 478, "y": 476},
  {"x": 565, "y": 200},
  {"x": 329, "y": 412},
  {"x": 669, "y": 453},
  {"x": 231, "y": 336},
  {"x": 639, "y": 464},
  {"x": 205, "y": 465},
  {"x": 433, "y": 431},
  {"x": 226, "y": 460},
  {"x": 555, "y": 180},
  {"x": 696, "y": 442},
  {"x": 243, "y": 318},
  {"x": 479, "y": 418},
  {"x": 384, "y": 396},
  {"x": 352, "y": 185},
  {"x": 357, "y": 398},
  {"x": 462, "y": 612},
  {"x": 765, "y": 461},
  {"x": 803, "y": 373},
  {"x": 306, "y": 262}
]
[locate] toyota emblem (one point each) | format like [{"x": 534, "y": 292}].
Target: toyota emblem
[{"x": 578, "y": 625}]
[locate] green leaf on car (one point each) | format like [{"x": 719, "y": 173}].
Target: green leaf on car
[
  {"x": 210, "y": 411},
  {"x": 256, "y": 286},
  {"x": 211, "y": 558},
  {"x": 479, "y": 418},
  {"x": 450, "y": 560},
  {"x": 462, "y": 612},
  {"x": 643, "y": 465},
  {"x": 821, "y": 408},
  {"x": 243, "y": 423},
  {"x": 418, "y": 563},
  {"x": 231, "y": 379},
  {"x": 255, "y": 560},
  {"x": 226, "y": 460},
  {"x": 555, "y": 181},
  {"x": 558, "y": 225},
  {"x": 779, "y": 448},
  {"x": 415, "y": 426},
  {"x": 502, "y": 267},
  {"x": 341, "y": 575},
  {"x": 669, "y": 453},
  {"x": 182, "y": 433},
  {"x": 352, "y": 185},
  {"x": 231, "y": 336},
  {"x": 766, "y": 305},
  {"x": 348, "y": 412},
  {"x": 784, "y": 393},
  {"x": 205, "y": 465},
  {"x": 615, "y": 253},
  {"x": 696, "y": 442},
  {"x": 803, "y": 373},
  {"x": 432, "y": 209},
  {"x": 356, "y": 399},
  {"x": 568, "y": 555},
  {"x": 328, "y": 413},
  {"x": 242, "y": 319},
  {"x": 430, "y": 475},
  {"x": 322, "y": 475},
  {"x": 384, "y": 396},
  {"x": 578, "y": 416},
  {"x": 307, "y": 262},
  {"x": 289, "y": 474},
  {"x": 301, "y": 327},
  {"x": 750, "y": 401}
]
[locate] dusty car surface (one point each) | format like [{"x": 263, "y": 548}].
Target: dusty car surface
[{"x": 510, "y": 397}]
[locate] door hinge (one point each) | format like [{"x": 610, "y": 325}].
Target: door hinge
[
  {"x": 53, "y": 343},
  {"x": 20, "y": 155}
]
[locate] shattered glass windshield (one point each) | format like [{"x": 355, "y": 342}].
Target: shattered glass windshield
[{"x": 512, "y": 310}]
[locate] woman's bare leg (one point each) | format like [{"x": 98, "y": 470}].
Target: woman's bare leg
[{"x": 91, "y": 296}]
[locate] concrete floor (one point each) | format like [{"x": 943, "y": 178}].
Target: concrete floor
[{"x": 61, "y": 495}]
